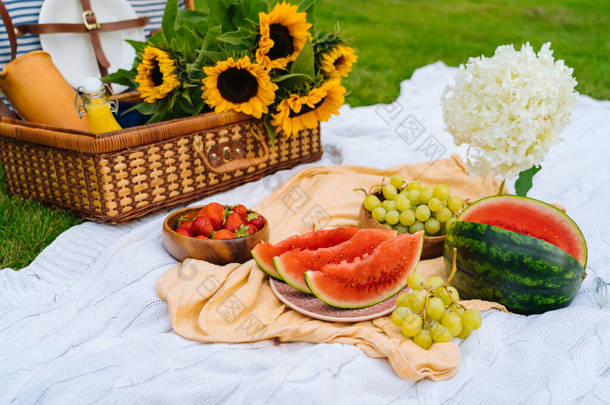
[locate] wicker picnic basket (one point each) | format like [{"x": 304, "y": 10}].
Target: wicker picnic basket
[{"x": 123, "y": 175}]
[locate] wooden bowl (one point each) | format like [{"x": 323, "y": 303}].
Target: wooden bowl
[
  {"x": 433, "y": 245},
  {"x": 217, "y": 251}
]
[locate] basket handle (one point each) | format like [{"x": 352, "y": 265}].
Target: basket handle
[{"x": 234, "y": 164}]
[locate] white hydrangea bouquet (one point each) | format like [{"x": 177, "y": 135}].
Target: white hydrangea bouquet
[{"x": 510, "y": 109}]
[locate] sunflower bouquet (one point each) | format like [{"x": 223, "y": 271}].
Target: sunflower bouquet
[{"x": 258, "y": 57}]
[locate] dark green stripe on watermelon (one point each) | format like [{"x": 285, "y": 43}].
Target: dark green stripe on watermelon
[{"x": 526, "y": 274}]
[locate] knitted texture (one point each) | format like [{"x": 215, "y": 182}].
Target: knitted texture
[{"x": 83, "y": 324}]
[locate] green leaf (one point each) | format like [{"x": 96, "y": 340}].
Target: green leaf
[
  {"x": 170, "y": 23},
  {"x": 137, "y": 45},
  {"x": 293, "y": 80},
  {"x": 304, "y": 62},
  {"x": 270, "y": 131},
  {"x": 211, "y": 38},
  {"x": 524, "y": 181},
  {"x": 121, "y": 76},
  {"x": 235, "y": 37}
]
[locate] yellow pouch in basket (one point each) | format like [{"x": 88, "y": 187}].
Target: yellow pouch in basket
[{"x": 39, "y": 92}]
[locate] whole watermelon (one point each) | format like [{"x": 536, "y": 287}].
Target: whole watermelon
[{"x": 526, "y": 274}]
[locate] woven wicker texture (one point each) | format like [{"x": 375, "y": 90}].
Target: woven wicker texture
[{"x": 178, "y": 166}]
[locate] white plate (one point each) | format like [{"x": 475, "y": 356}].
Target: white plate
[{"x": 73, "y": 54}]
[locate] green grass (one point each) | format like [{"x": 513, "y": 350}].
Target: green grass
[{"x": 393, "y": 38}]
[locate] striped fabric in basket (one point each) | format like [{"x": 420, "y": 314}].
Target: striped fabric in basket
[{"x": 27, "y": 11}]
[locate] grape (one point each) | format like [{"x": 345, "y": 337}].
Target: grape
[
  {"x": 441, "y": 192},
  {"x": 414, "y": 197},
  {"x": 453, "y": 323},
  {"x": 457, "y": 309},
  {"x": 399, "y": 315},
  {"x": 465, "y": 332},
  {"x": 379, "y": 214},
  {"x": 389, "y": 192},
  {"x": 435, "y": 308},
  {"x": 416, "y": 227},
  {"x": 444, "y": 214},
  {"x": 371, "y": 202},
  {"x": 387, "y": 226},
  {"x": 415, "y": 281},
  {"x": 392, "y": 217},
  {"x": 471, "y": 318},
  {"x": 400, "y": 228},
  {"x": 407, "y": 217},
  {"x": 426, "y": 194},
  {"x": 449, "y": 223},
  {"x": 440, "y": 333},
  {"x": 432, "y": 226},
  {"x": 455, "y": 204},
  {"x": 411, "y": 325},
  {"x": 397, "y": 181},
  {"x": 414, "y": 185},
  {"x": 402, "y": 299},
  {"x": 433, "y": 282},
  {"x": 442, "y": 293},
  {"x": 453, "y": 294},
  {"x": 417, "y": 301},
  {"x": 435, "y": 204},
  {"x": 423, "y": 339},
  {"x": 422, "y": 213},
  {"x": 389, "y": 205},
  {"x": 402, "y": 203}
]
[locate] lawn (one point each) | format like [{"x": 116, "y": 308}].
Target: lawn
[{"x": 393, "y": 38}]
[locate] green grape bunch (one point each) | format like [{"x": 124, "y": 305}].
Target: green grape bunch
[
  {"x": 412, "y": 207},
  {"x": 431, "y": 311}
]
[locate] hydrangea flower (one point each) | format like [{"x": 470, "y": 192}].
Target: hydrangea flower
[{"x": 509, "y": 109}]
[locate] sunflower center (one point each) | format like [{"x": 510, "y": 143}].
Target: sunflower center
[
  {"x": 156, "y": 75},
  {"x": 305, "y": 109},
  {"x": 282, "y": 42},
  {"x": 339, "y": 61},
  {"x": 237, "y": 85}
]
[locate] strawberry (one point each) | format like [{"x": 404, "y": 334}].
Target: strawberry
[
  {"x": 257, "y": 220},
  {"x": 242, "y": 211},
  {"x": 224, "y": 234},
  {"x": 245, "y": 230},
  {"x": 185, "y": 221},
  {"x": 233, "y": 222},
  {"x": 202, "y": 226},
  {"x": 214, "y": 212},
  {"x": 183, "y": 231}
]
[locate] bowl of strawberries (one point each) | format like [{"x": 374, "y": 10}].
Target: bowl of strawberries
[{"x": 214, "y": 232}]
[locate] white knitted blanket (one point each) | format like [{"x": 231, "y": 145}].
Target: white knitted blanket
[{"x": 82, "y": 324}]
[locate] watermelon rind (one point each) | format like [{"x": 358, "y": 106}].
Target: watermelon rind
[
  {"x": 270, "y": 270},
  {"x": 399, "y": 287},
  {"x": 553, "y": 209},
  {"x": 278, "y": 268},
  {"x": 525, "y": 274}
]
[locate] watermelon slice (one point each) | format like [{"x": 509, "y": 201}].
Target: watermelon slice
[
  {"x": 264, "y": 252},
  {"x": 370, "y": 280},
  {"x": 530, "y": 217},
  {"x": 291, "y": 265}
]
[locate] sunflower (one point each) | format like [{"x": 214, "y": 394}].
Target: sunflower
[
  {"x": 156, "y": 75},
  {"x": 238, "y": 85},
  {"x": 300, "y": 112},
  {"x": 337, "y": 62},
  {"x": 283, "y": 33}
]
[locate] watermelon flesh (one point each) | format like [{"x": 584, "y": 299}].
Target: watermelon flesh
[
  {"x": 264, "y": 252},
  {"x": 530, "y": 217},
  {"x": 369, "y": 280},
  {"x": 291, "y": 265}
]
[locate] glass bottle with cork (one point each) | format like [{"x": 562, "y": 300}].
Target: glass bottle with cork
[{"x": 97, "y": 106}]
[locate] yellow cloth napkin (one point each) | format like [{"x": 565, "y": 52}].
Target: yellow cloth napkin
[{"x": 235, "y": 303}]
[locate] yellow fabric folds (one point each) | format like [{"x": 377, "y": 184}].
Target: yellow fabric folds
[{"x": 234, "y": 303}]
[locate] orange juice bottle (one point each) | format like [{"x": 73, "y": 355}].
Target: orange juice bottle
[{"x": 97, "y": 107}]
